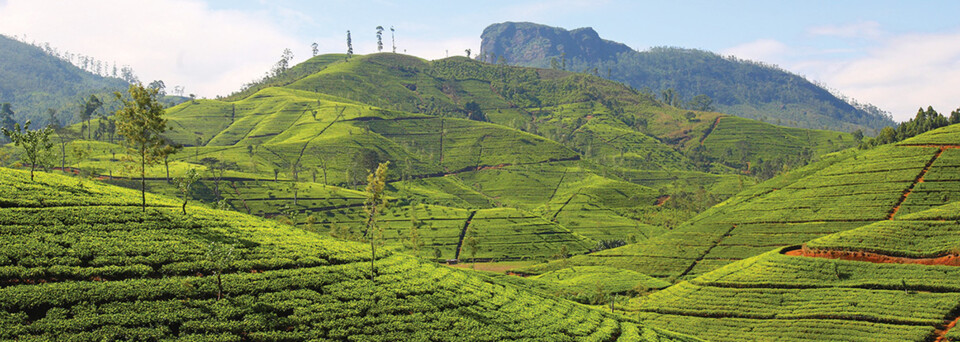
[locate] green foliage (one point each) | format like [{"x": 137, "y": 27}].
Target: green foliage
[
  {"x": 142, "y": 125},
  {"x": 185, "y": 185},
  {"x": 375, "y": 203},
  {"x": 745, "y": 88},
  {"x": 84, "y": 263},
  {"x": 36, "y": 143},
  {"x": 926, "y": 120},
  {"x": 36, "y": 80}
]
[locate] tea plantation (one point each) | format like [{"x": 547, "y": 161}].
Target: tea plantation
[
  {"x": 842, "y": 191},
  {"x": 578, "y": 159},
  {"x": 891, "y": 280},
  {"x": 81, "y": 261}
]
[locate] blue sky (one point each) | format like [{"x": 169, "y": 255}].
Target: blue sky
[{"x": 898, "y": 55}]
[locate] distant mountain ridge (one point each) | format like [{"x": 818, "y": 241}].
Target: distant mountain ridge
[
  {"x": 534, "y": 45},
  {"x": 32, "y": 81},
  {"x": 739, "y": 87}
]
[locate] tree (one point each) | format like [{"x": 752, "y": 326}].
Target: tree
[
  {"x": 220, "y": 255},
  {"x": 701, "y": 102},
  {"x": 315, "y": 49},
  {"x": 373, "y": 206},
  {"x": 379, "y": 38},
  {"x": 393, "y": 39},
  {"x": 141, "y": 124},
  {"x": 349, "y": 45},
  {"x": 858, "y": 135},
  {"x": 87, "y": 108},
  {"x": 690, "y": 116},
  {"x": 164, "y": 153},
  {"x": 6, "y": 116},
  {"x": 196, "y": 150},
  {"x": 64, "y": 135},
  {"x": 185, "y": 183},
  {"x": 468, "y": 51},
  {"x": 52, "y": 120},
  {"x": 36, "y": 144},
  {"x": 159, "y": 86},
  {"x": 284, "y": 63},
  {"x": 955, "y": 116},
  {"x": 473, "y": 246},
  {"x": 80, "y": 154},
  {"x": 416, "y": 242},
  {"x": 474, "y": 112}
]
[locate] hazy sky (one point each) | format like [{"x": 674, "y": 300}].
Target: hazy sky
[{"x": 898, "y": 55}]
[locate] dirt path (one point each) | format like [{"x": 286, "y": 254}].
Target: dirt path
[
  {"x": 919, "y": 179},
  {"x": 710, "y": 130},
  {"x": 706, "y": 252},
  {"x": 463, "y": 233},
  {"x": 304, "y": 148}
]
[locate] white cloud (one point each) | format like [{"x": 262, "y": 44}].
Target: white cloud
[
  {"x": 183, "y": 42},
  {"x": 862, "y": 29},
  {"x": 900, "y": 74},
  {"x": 764, "y": 50}
]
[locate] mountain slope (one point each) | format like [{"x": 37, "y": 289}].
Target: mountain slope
[
  {"x": 738, "y": 87},
  {"x": 74, "y": 268},
  {"x": 34, "y": 81},
  {"x": 890, "y": 280},
  {"x": 567, "y": 161},
  {"x": 841, "y": 192}
]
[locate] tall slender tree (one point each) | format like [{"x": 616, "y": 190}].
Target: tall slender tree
[
  {"x": 315, "y": 49},
  {"x": 393, "y": 39},
  {"x": 6, "y": 116},
  {"x": 349, "y": 45},
  {"x": 374, "y": 205},
  {"x": 141, "y": 123},
  {"x": 89, "y": 108},
  {"x": 379, "y": 38}
]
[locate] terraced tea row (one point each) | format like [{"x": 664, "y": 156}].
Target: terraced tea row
[
  {"x": 841, "y": 192},
  {"x": 121, "y": 274}
]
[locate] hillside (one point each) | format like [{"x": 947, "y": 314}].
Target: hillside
[
  {"x": 890, "y": 280},
  {"x": 566, "y": 161},
  {"x": 34, "y": 81},
  {"x": 843, "y": 191},
  {"x": 80, "y": 261},
  {"x": 743, "y": 88}
]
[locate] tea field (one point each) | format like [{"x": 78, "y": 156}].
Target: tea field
[{"x": 81, "y": 261}]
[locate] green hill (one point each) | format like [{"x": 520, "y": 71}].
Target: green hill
[
  {"x": 568, "y": 162},
  {"x": 35, "y": 81},
  {"x": 79, "y": 261},
  {"x": 890, "y": 280},
  {"x": 739, "y": 87},
  {"x": 843, "y": 191}
]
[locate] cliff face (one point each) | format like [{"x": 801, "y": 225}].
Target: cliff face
[{"x": 529, "y": 44}]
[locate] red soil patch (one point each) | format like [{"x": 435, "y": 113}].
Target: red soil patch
[
  {"x": 941, "y": 334},
  {"x": 877, "y": 258},
  {"x": 661, "y": 200}
]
